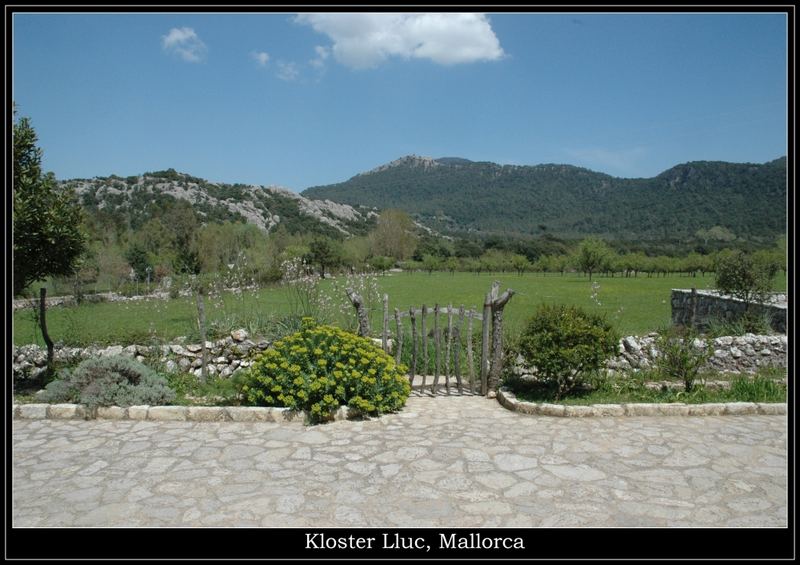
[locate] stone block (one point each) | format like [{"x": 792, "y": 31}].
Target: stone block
[
  {"x": 250, "y": 414},
  {"x": 138, "y": 412},
  {"x": 737, "y": 408},
  {"x": 552, "y": 409},
  {"x": 579, "y": 411},
  {"x": 672, "y": 409},
  {"x": 207, "y": 414},
  {"x": 112, "y": 413},
  {"x": 711, "y": 409},
  {"x": 609, "y": 410},
  {"x": 771, "y": 408},
  {"x": 33, "y": 411},
  {"x": 66, "y": 411},
  {"x": 173, "y": 413},
  {"x": 640, "y": 409}
]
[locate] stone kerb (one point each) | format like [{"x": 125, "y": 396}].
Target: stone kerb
[
  {"x": 172, "y": 413},
  {"x": 509, "y": 400}
]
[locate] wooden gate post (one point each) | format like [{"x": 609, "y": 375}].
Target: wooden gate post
[
  {"x": 487, "y": 311},
  {"x": 385, "y": 334},
  {"x": 361, "y": 312},
  {"x": 497, "y": 305}
]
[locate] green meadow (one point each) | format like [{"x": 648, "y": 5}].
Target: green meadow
[{"x": 634, "y": 305}]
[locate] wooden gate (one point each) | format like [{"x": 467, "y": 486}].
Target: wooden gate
[{"x": 440, "y": 342}]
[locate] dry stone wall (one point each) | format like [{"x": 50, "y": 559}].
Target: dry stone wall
[
  {"x": 224, "y": 356},
  {"x": 711, "y": 306},
  {"x": 733, "y": 354},
  {"x": 737, "y": 354}
]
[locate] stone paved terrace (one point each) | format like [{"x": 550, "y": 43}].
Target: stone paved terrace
[{"x": 441, "y": 462}]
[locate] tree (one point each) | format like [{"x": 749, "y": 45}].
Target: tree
[
  {"x": 137, "y": 257},
  {"x": 394, "y": 235},
  {"x": 47, "y": 220},
  {"x": 381, "y": 263},
  {"x": 430, "y": 263},
  {"x": 520, "y": 263},
  {"x": 592, "y": 255},
  {"x": 746, "y": 277},
  {"x": 324, "y": 253}
]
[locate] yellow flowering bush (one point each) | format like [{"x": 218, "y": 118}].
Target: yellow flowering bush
[{"x": 321, "y": 368}]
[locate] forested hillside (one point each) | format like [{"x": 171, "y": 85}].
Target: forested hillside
[{"x": 452, "y": 194}]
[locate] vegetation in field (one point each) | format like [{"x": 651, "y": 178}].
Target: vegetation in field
[{"x": 630, "y": 388}]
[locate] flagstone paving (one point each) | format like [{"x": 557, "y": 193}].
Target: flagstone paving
[{"x": 460, "y": 462}]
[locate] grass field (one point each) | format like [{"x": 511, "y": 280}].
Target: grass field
[{"x": 634, "y": 305}]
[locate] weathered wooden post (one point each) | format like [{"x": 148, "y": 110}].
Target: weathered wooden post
[
  {"x": 437, "y": 344},
  {"x": 399, "y": 340},
  {"x": 412, "y": 315},
  {"x": 470, "y": 360},
  {"x": 457, "y": 351},
  {"x": 448, "y": 348},
  {"x": 487, "y": 316},
  {"x": 424, "y": 347},
  {"x": 43, "y": 324},
  {"x": 385, "y": 333},
  {"x": 201, "y": 322},
  {"x": 361, "y": 312},
  {"x": 498, "y": 303}
]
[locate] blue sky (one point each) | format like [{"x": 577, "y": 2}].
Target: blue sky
[{"x": 316, "y": 99}]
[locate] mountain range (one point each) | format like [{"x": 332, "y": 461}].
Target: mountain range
[{"x": 458, "y": 195}]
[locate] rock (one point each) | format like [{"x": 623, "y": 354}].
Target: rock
[
  {"x": 184, "y": 363},
  {"x": 239, "y": 335},
  {"x": 111, "y": 351},
  {"x": 177, "y": 349},
  {"x": 724, "y": 340},
  {"x": 263, "y": 344},
  {"x": 170, "y": 366},
  {"x": 175, "y": 413},
  {"x": 222, "y": 359},
  {"x": 130, "y": 351},
  {"x": 194, "y": 347},
  {"x": 736, "y": 352},
  {"x": 630, "y": 344}
]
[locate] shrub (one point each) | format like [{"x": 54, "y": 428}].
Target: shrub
[
  {"x": 565, "y": 344},
  {"x": 321, "y": 368},
  {"x": 681, "y": 355},
  {"x": 110, "y": 381},
  {"x": 744, "y": 276}
]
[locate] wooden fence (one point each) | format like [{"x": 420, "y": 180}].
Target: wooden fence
[{"x": 441, "y": 341}]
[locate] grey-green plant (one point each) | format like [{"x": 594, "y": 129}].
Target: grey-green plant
[
  {"x": 682, "y": 353},
  {"x": 110, "y": 381}
]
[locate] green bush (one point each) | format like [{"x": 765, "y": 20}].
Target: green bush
[
  {"x": 110, "y": 381},
  {"x": 321, "y": 368},
  {"x": 565, "y": 344},
  {"x": 681, "y": 355}
]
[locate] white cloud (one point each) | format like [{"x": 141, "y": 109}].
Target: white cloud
[
  {"x": 288, "y": 71},
  {"x": 261, "y": 57},
  {"x": 184, "y": 43},
  {"x": 363, "y": 41},
  {"x": 322, "y": 55}
]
